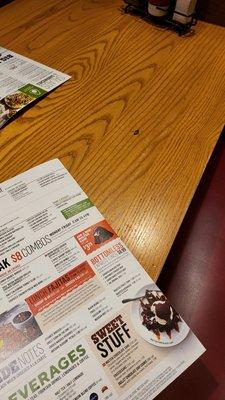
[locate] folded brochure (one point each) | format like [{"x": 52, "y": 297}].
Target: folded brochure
[
  {"x": 23, "y": 81},
  {"x": 80, "y": 318}
]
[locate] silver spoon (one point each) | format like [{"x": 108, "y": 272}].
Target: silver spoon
[{"x": 134, "y": 299}]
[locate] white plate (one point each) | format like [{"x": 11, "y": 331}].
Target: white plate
[{"x": 149, "y": 336}]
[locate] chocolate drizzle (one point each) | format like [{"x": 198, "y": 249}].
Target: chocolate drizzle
[{"x": 157, "y": 313}]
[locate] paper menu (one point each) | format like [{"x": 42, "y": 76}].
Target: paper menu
[
  {"x": 68, "y": 329},
  {"x": 22, "y": 81}
]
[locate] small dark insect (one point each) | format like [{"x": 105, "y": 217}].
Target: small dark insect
[{"x": 136, "y": 132}]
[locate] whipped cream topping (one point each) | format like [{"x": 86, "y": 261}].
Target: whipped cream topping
[{"x": 160, "y": 321}]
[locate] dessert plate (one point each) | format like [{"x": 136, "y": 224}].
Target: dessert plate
[{"x": 163, "y": 339}]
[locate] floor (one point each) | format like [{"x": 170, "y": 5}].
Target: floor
[
  {"x": 211, "y": 11},
  {"x": 194, "y": 280}
]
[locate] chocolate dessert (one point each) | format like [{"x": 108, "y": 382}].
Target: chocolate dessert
[{"x": 157, "y": 313}]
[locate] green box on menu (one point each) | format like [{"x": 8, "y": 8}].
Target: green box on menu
[
  {"x": 77, "y": 208},
  {"x": 32, "y": 90}
]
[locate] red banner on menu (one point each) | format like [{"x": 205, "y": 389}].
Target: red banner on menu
[
  {"x": 95, "y": 236},
  {"x": 59, "y": 287}
]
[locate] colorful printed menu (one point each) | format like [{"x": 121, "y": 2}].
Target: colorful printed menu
[
  {"x": 22, "y": 81},
  {"x": 80, "y": 318}
]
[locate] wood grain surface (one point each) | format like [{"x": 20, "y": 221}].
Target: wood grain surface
[{"x": 127, "y": 76}]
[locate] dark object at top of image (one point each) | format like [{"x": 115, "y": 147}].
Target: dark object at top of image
[
  {"x": 164, "y": 17},
  {"x": 212, "y": 11}
]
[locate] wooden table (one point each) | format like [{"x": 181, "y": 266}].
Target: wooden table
[{"x": 127, "y": 77}]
